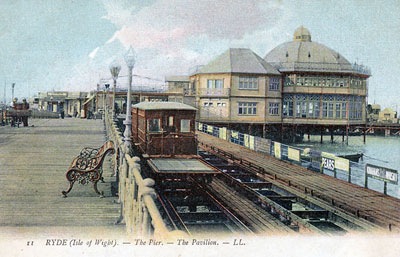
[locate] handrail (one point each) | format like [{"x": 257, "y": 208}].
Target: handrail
[{"x": 135, "y": 194}]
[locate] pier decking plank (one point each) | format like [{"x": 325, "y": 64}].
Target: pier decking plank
[{"x": 33, "y": 162}]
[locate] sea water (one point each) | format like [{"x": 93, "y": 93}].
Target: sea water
[{"x": 378, "y": 150}]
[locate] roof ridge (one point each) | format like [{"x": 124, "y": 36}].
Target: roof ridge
[{"x": 257, "y": 60}]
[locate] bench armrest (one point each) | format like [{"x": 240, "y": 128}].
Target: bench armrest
[{"x": 88, "y": 152}]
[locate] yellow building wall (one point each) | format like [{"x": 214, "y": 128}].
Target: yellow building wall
[{"x": 259, "y": 117}]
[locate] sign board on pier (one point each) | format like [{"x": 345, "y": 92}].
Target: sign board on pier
[
  {"x": 381, "y": 173},
  {"x": 332, "y": 162}
]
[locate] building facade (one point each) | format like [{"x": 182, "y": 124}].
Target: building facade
[
  {"x": 239, "y": 89},
  {"x": 299, "y": 87},
  {"x": 322, "y": 90}
]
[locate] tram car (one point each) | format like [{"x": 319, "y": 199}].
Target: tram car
[{"x": 164, "y": 134}]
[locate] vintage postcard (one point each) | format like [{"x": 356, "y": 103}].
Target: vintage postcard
[{"x": 199, "y": 128}]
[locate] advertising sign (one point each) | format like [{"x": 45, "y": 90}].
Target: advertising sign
[
  {"x": 338, "y": 163},
  {"x": 381, "y": 173},
  {"x": 222, "y": 133},
  {"x": 328, "y": 163},
  {"x": 277, "y": 150},
  {"x": 293, "y": 154},
  {"x": 235, "y": 134}
]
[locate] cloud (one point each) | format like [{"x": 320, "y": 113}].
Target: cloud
[
  {"x": 173, "y": 28},
  {"x": 172, "y": 36},
  {"x": 94, "y": 52}
]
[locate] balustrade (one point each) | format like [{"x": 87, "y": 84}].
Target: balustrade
[{"x": 135, "y": 194}]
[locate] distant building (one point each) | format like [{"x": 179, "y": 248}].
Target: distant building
[
  {"x": 373, "y": 112},
  {"x": 70, "y": 102},
  {"x": 180, "y": 90},
  {"x": 388, "y": 116}
]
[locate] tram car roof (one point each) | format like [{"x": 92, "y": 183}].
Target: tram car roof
[
  {"x": 181, "y": 166},
  {"x": 163, "y": 106}
]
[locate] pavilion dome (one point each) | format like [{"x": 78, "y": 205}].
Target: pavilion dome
[{"x": 302, "y": 54}]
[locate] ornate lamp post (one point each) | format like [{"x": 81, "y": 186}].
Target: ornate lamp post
[
  {"x": 130, "y": 62},
  {"x": 106, "y": 90},
  {"x": 114, "y": 70}
]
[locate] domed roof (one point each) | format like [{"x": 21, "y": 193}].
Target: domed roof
[
  {"x": 302, "y": 54},
  {"x": 302, "y": 34}
]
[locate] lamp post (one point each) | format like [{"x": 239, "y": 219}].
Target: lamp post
[
  {"x": 130, "y": 62},
  {"x": 106, "y": 86},
  {"x": 12, "y": 86},
  {"x": 114, "y": 70}
]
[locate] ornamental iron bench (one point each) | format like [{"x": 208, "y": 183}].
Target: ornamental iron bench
[{"x": 87, "y": 167}]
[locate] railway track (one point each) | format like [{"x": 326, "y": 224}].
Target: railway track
[
  {"x": 245, "y": 199},
  {"x": 298, "y": 211},
  {"x": 309, "y": 188},
  {"x": 214, "y": 207},
  {"x": 239, "y": 201},
  {"x": 255, "y": 217},
  {"x": 190, "y": 208}
]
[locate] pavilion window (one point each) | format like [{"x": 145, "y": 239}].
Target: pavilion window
[
  {"x": 310, "y": 109},
  {"x": 285, "y": 108},
  {"x": 291, "y": 109},
  {"x": 248, "y": 83},
  {"x": 324, "y": 110},
  {"x": 274, "y": 84},
  {"x": 338, "y": 105},
  {"x": 215, "y": 83},
  {"x": 351, "y": 110},
  {"x": 298, "y": 109},
  {"x": 273, "y": 109},
  {"x": 316, "y": 109},
  {"x": 330, "y": 110},
  {"x": 247, "y": 108},
  {"x": 344, "y": 110},
  {"x": 304, "y": 109}
]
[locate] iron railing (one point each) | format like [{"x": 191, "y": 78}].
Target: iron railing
[{"x": 322, "y": 67}]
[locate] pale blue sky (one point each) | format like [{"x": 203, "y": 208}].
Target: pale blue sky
[{"x": 68, "y": 45}]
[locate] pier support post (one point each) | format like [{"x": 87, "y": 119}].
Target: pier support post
[
  {"x": 385, "y": 188},
  {"x": 322, "y": 134},
  {"x": 347, "y": 135},
  {"x": 294, "y": 130},
  {"x": 343, "y": 134},
  {"x": 264, "y": 134},
  {"x": 364, "y": 135}
]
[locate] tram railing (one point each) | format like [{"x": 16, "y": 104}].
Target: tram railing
[{"x": 135, "y": 194}]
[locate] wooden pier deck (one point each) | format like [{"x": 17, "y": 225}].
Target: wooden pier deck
[
  {"x": 33, "y": 162},
  {"x": 366, "y": 204}
]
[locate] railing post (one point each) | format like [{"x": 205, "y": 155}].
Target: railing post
[
  {"x": 147, "y": 189},
  {"x": 146, "y": 222}
]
